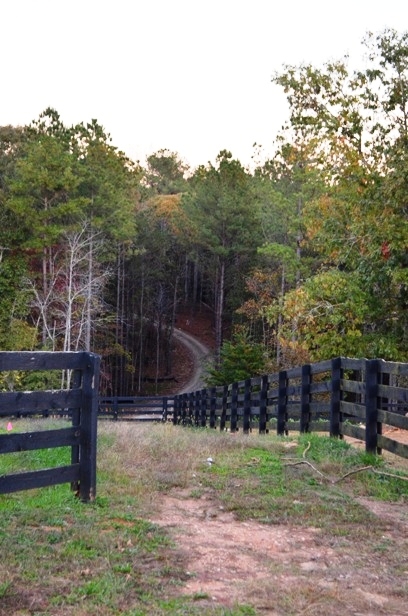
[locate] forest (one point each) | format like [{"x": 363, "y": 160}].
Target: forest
[{"x": 301, "y": 258}]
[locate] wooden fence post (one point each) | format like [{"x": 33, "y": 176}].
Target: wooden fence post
[
  {"x": 371, "y": 404},
  {"x": 213, "y": 406},
  {"x": 196, "y": 407},
  {"x": 305, "y": 398},
  {"x": 282, "y": 403},
  {"x": 89, "y": 422},
  {"x": 336, "y": 374},
  {"x": 203, "y": 408},
  {"x": 223, "y": 418},
  {"x": 234, "y": 407},
  {"x": 187, "y": 409},
  {"x": 175, "y": 409},
  {"x": 247, "y": 407},
  {"x": 263, "y": 403},
  {"x": 76, "y": 419},
  {"x": 165, "y": 407}
]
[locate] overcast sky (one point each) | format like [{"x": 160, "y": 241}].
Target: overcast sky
[{"x": 193, "y": 76}]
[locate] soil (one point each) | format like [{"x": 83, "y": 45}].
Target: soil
[{"x": 247, "y": 563}]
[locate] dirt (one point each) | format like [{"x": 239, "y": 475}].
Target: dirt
[
  {"x": 282, "y": 569},
  {"x": 200, "y": 355}
]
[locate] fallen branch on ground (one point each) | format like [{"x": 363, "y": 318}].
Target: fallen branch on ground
[{"x": 353, "y": 472}]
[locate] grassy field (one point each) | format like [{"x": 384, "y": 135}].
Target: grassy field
[{"x": 62, "y": 557}]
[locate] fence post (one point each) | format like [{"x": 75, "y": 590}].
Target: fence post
[
  {"x": 203, "y": 408},
  {"x": 213, "y": 405},
  {"x": 371, "y": 406},
  {"x": 76, "y": 420},
  {"x": 188, "y": 409},
  {"x": 223, "y": 418},
  {"x": 305, "y": 398},
  {"x": 196, "y": 406},
  {"x": 335, "y": 397},
  {"x": 89, "y": 422},
  {"x": 282, "y": 403},
  {"x": 234, "y": 407},
  {"x": 247, "y": 407},
  {"x": 165, "y": 405},
  {"x": 263, "y": 403},
  {"x": 175, "y": 409}
]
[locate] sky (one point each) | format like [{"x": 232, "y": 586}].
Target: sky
[{"x": 190, "y": 76}]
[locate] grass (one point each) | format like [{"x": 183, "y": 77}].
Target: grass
[{"x": 60, "y": 556}]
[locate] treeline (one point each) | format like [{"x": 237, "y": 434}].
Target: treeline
[{"x": 302, "y": 258}]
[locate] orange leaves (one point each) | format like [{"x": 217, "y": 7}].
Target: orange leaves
[{"x": 385, "y": 251}]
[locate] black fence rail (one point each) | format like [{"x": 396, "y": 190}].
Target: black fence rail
[
  {"x": 135, "y": 408},
  {"x": 345, "y": 397},
  {"x": 79, "y": 403}
]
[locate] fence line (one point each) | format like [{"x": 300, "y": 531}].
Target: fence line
[
  {"x": 343, "y": 396},
  {"x": 80, "y": 403},
  {"x": 135, "y": 408}
]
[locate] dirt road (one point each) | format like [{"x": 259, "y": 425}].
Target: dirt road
[{"x": 200, "y": 353}]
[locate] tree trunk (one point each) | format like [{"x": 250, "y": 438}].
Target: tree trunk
[
  {"x": 141, "y": 316},
  {"x": 219, "y": 311}
]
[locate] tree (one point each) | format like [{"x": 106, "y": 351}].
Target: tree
[
  {"x": 68, "y": 183},
  {"x": 240, "y": 358},
  {"x": 223, "y": 224},
  {"x": 165, "y": 173},
  {"x": 108, "y": 187},
  {"x": 356, "y": 125},
  {"x": 41, "y": 196},
  {"x": 326, "y": 316}
]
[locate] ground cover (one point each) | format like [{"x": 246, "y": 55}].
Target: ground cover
[{"x": 190, "y": 521}]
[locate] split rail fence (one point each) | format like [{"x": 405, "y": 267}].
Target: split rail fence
[
  {"x": 364, "y": 399},
  {"x": 79, "y": 404}
]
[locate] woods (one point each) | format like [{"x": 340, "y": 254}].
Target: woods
[{"x": 301, "y": 258}]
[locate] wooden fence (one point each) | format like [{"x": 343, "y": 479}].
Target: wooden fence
[
  {"x": 80, "y": 404},
  {"x": 135, "y": 408},
  {"x": 345, "y": 397}
]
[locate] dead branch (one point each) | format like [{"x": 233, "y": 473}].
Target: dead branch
[
  {"x": 353, "y": 472},
  {"x": 306, "y": 450},
  {"x": 308, "y": 464}
]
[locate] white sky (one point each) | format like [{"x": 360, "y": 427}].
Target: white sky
[{"x": 193, "y": 76}]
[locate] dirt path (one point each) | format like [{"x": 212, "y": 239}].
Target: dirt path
[
  {"x": 199, "y": 353},
  {"x": 283, "y": 570}
]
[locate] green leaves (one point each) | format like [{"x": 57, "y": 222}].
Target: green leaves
[{"x": 240, "y": 359}]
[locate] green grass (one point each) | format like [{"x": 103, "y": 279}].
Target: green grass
[{"x": 60, "y": 556}]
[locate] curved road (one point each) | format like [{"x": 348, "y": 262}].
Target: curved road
[{"x": 200, "y": 353}]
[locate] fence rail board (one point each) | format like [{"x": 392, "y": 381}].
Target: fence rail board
[
  {"x": 42, "y": 360},
  {"x": 39, "y": 479},
  {"x": 33, "y": 402},
  {"x": 45, "y": 439}
]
